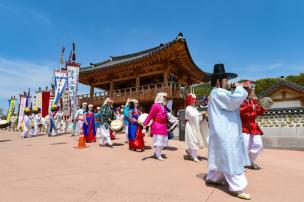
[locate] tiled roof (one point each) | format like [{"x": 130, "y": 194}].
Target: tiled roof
[
  {"x": 134, "y": 57},
  {"x": 282, "y": 83}
]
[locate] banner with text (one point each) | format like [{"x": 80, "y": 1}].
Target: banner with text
[
  {"x": 60, "y": 81},
  {"x": 11, "y": 109},
  {"x": 73, "y": 74}
]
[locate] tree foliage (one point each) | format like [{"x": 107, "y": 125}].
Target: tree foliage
[
  {"x": 261, "y": 84},
  {"x": 264, "y": 84}
]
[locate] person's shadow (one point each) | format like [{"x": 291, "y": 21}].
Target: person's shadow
[
  {"x": 223, "y": 188},
  {"x": 189, "y": 158},
  {"x": 117, "y": 144},
  {"x": 153, "y": 157},
  {"x": 148, "y": 147},
  {"x": 170, "y": 148}
]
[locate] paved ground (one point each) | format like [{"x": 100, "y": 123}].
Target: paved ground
[{"x": 50, "y": 169}]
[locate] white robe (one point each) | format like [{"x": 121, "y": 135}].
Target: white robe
[
  {"x": 79, "y": 117},
  {"x": 27, "y": 123},
  {"x": 226, "y": 151},
  {"x": 37, "y": 120},
  {"x": 194, "y": 137}
]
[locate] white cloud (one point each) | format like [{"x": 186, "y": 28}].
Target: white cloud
[{"x": 17, "y": 76}]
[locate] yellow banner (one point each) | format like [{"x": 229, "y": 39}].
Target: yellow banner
[{"x": 11, "y": 110}]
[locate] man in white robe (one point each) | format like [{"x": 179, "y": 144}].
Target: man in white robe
[
  {"x": 37, "y": 120},
  {"x": 227, "y": 155}
]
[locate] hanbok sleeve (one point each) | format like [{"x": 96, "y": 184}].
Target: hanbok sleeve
[
  {"x": 191, "y": 113},
  {"x": 126, "y": 112},
  {"x": 152, "y": 114},
  {"x": 131, "y": 119},
  {"x": 231, "y": 101}
]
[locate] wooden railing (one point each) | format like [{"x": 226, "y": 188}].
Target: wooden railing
[{"x": 143, "y": 93}]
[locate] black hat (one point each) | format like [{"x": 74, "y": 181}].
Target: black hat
[{"x": 219, "y": 71}]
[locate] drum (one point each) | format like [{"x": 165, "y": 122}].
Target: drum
[
  {"x": 142, "y": 118},
  {"x": 172, "y": 122},
  {"x": 4, "y": 123},
  {"x": 266, "y": 102},
  {"x": 117, "y": 125}
]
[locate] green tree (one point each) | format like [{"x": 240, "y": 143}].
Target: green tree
[
  {"x": 202, "y": 90},
  {"x": 264, "y": 84}
]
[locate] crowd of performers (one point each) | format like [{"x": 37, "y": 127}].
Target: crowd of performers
[{"x": 228, "y": 128}]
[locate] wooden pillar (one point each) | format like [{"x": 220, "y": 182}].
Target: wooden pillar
[
  {"x": 111, "y": 88},
  {"x": 137, "y": 84},
  {"x": 91, "y": 91},
  {"x": 166, "y": 75}
]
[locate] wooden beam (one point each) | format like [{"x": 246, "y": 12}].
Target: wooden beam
[{"x": 130, "y": 77}]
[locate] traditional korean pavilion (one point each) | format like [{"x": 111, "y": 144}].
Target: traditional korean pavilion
[
  {"x": 167, "y": 67},
  {"x": 285, "y": 94}
]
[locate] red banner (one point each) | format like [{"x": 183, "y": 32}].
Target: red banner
[{"x": 45, "y": 103}]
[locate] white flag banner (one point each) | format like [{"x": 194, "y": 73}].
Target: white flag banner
[
  {"x": 60, "y": 82},
  {"x": 38, "y": 100},
  {"x": 73, "y": 74},
  {"x": 66, "y": 104},
  {"x": 21, "y": 110}
]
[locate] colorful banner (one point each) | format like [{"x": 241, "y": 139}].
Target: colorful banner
[
  {"x": 60, "y": 81},
  {"x": 38, "y": 103},
  {"x": 34, "y": 101},
  {"x": 73, "y": 74},
  {"x": 45, "y": 103},
  {"x": 66, "y": 104},
  {"x": 11, "y": 109},
  {"x": 21, "y": 110}
]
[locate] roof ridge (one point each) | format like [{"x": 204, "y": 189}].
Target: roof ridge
[
  {"x": 143, "y": 51},
  {"x": 282, "y": 82},
  {"x": 292, "y": 83}
]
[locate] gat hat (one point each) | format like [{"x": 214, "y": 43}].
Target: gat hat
[{"x": 218, "y": 71}]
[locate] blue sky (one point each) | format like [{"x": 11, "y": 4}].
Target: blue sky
[{"x": 255, "y": 39}]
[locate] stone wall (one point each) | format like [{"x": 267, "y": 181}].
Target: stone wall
[{"x": 282, "y": 118}]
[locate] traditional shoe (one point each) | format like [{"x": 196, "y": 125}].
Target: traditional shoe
[
  {"x": 101, "y": 144},
  {"x": 196, "y": 160},
  {"x": 253, "y": 167},
  {"x": 160, "y": 158},
  {"x": 219, "y": 183},
  {"x": 241, "y": 195}
]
